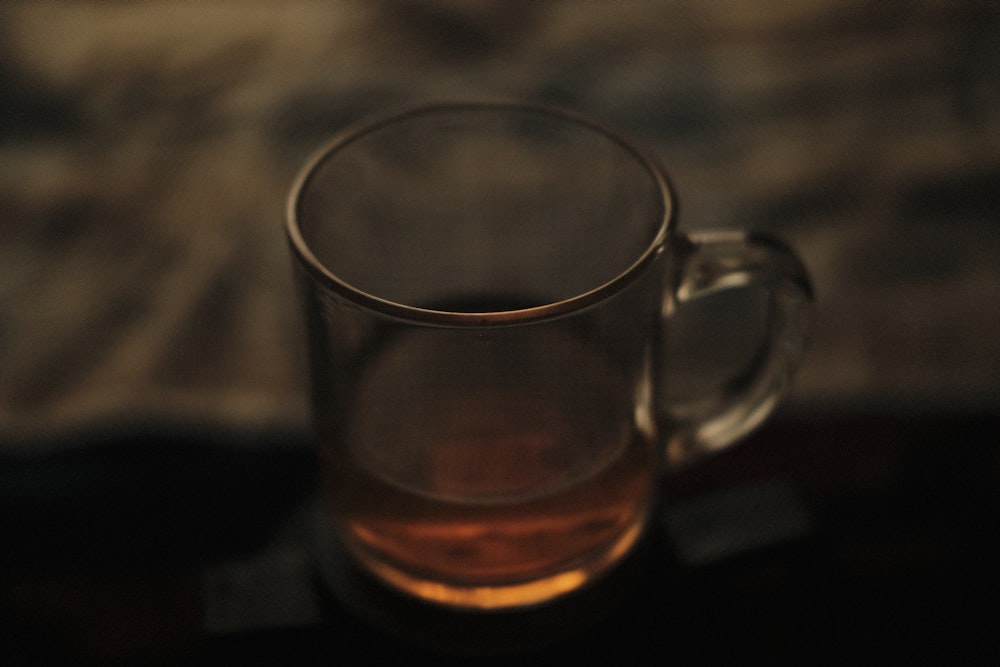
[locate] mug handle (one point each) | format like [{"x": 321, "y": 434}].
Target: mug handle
[{"x": 707, "y": 263}]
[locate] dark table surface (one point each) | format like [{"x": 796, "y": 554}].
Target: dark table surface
[{"x": 823, "y": 541}]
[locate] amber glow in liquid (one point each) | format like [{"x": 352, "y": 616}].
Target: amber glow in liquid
[
  {"x": 496, "y": 555},
  {"x": 490, "y": 474}
]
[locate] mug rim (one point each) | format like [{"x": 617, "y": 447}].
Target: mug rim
[{"x": 427, "y": 316}]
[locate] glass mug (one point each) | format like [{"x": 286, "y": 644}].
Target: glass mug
[{"x": 488, "y": 290}]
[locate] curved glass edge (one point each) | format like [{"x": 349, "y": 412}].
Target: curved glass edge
[{"x": 417, "y": 315}]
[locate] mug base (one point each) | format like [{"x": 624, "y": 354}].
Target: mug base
[
  {"x": 455, "y": 620},
  {"x": 503, "y": 596}
]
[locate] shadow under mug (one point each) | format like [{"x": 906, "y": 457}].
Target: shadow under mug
[{"x": 489, "y": 291}]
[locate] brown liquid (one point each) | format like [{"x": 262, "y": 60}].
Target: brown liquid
[
  {"x": 482, "y": 545},
  {"x": 516, "y": 478}
]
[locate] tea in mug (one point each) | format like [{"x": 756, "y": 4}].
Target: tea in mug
[{"x": 489, "y": 469}]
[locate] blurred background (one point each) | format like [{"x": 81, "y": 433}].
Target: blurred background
[{"x": 146, "y": 149}]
